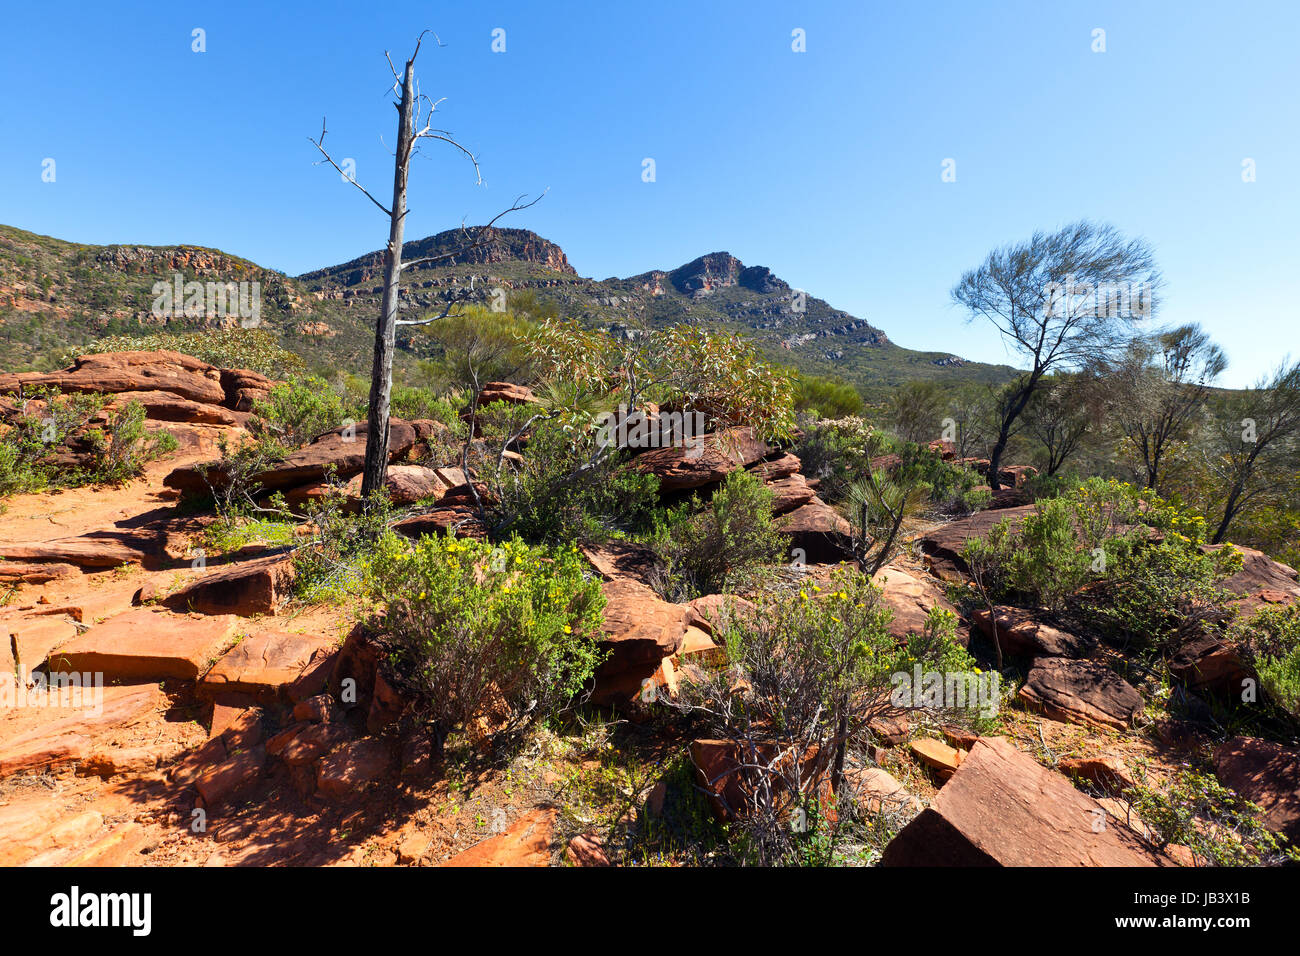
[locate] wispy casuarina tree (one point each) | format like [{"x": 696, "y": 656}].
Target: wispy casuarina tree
[
  {"x": 1061, "y": 300},
  {"x": 1257, "y": 438},
  {"x": 415, "y": 111},
  {"x": 1058, "y": 416},
  {"x": 1160, "y": 384}
]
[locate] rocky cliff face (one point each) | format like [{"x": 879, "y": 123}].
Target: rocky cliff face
[{"x": 499, "y": 245}]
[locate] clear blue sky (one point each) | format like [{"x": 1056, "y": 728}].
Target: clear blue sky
[{"x": 823, "y": 165}]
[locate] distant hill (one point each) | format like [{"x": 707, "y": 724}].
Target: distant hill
[{"x": 56, "y": 296}]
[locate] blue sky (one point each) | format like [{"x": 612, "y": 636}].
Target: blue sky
[{"x": 823, "y": 165}]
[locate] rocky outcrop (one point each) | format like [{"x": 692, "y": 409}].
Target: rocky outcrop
[
  {"x": 1261, "y": 581},
  {"x": 1266, "y": 774},
  {"x": 638, "y": 632},
  {"x": 1210, "y": 664},
  {"x": 340, "y": 453},
  {"x": 1001, "y": 808},
  {"x": 1080, "y": 692},
  {"x": 681, "y": 468},
  {"x": 1021, "y": 634},
  {"x": 247, "y": 588},
  {"x": 942, "y": 547},
  {"x": 818, "y": 532}
]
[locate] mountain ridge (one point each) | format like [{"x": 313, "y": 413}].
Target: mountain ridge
[{"x": 55, "y": 293}]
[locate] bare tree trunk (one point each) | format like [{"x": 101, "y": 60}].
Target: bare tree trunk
[{"x": 381, "y": 380}]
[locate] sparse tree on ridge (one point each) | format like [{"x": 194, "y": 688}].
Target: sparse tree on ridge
[
  {"x": 414, "y": 123},
  {"x": 1061, "y": 301},
  {"x": 1058, "y": 416},
  {"x": 1161, "y": 382},
  {"x": 1256, "y": 435}
]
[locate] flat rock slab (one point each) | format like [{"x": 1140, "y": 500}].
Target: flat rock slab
[
  {"x": 1267, "y": 774},
  {"x": 148, "y": 644},
  {"x": 266, "y": 664},
  {"x": 526, "y": 843},
  {"x": 98, "y": 550},
  {"x": 878, "y": 792},
  {"x": 1080, "y": 692},
  {"x": 70, "y": 733},
  {"x": 246, "y": 588},
  {"x": 911, "y": 597},
  {"x": 166, "y": 407},
  {"x": 341, "y": 452},
  {"x": 14, "y": 572},
  {"x": 936, "y": 754},
  {"x": 1001, "y": 808},
  {"x": 777, "y": 467},
  {"x": 619, "y": 559},
  {"x": 231, "y": 778},
  {"x": 347, "y": 769}
]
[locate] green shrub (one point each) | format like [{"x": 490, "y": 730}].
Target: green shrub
[
  {"x": 330, "y": 564},
  {"x": 1048, "y": 562},
  {"x": 17, "y": 475},
  {"x": 410, "y": 403},
  {"x": 1160, "y": 594},
  {"x": 836, "y": 453},
  {"x": 564, "y": 491},
  {"x": 1196, "y": 811},
  {"x": 297, "y": 411},
  {"x": 805, "y": 674},
  {"x": 115, "y": 451},
  {"x": 1272, "y": 636},
  {"x": 124, "y": 445},
  {"x": 706, "y": 547},
  {"x": 507, "y": 632},
  {"x": 826, "y": 397},
  {"x": 254, "y": 349}
]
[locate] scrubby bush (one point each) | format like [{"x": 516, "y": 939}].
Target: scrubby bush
[
  {"x": 254, "y": 349},
  {"x": 1194, "y": 810},
  {"x": 836, "y": 453},
  {"x": 297, "y": 411},
  {"x": 330, "y": 563},
  {"x": 1112, "y": 556},
  {"x": 826, "y": 397},
  {"x": 804, "y": 676},
  {"x": 706, "y": 547},
  {"x": 111, "y": 451},
  {"x": 1272, "y": 636},
  {"x": 506, "y": 632},
  {"x": 17, "y": 476},
  {"x": 123, "y": 446},
  {"x": 1158, "y": 594},
  {"x": 566, "y": 490}
]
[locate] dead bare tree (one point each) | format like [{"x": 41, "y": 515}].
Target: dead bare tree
[{"x": 415, "y": 112}]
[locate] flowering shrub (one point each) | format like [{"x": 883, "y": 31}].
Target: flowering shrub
[{"x": 507, "y": 631}]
